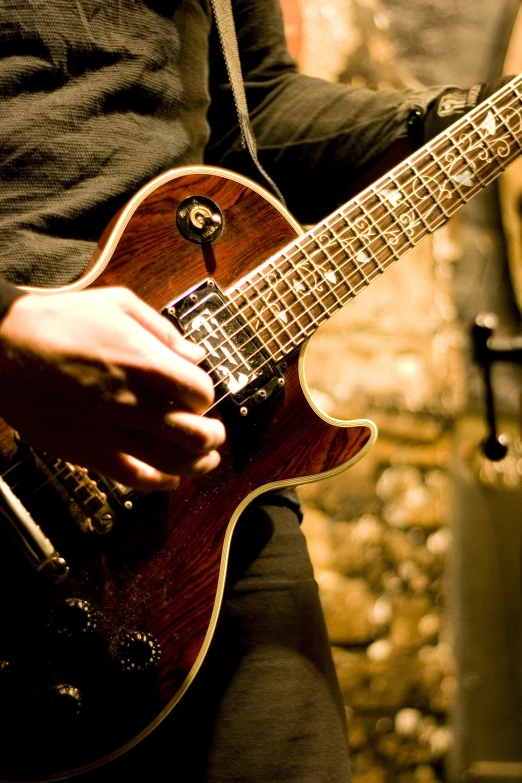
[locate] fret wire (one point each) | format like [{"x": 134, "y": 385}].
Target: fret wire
[
  {"x": 288, "y": 306},
  {"x": 494, "y": 175},
  {"x": 330, "y": 287},
  {"x": 312, "y": 289},
  {"x": 426, "y": 186},
  {"x": 438, "y": 205},
  {"x": 331, "y": 258},
  {"x": 365, "y": 246},
  {"x": 275, "y": 337},
  {"x": 428, "y": 189},
  {"x": 455, "y": 208},
  {"x": 355, "y": 260},
  {"x": 498, "y": 117},
  {"x": 404, "y": 178},
  {"x": 346, "y": 247},
  {"x": 298, "y": 273},
  {"x": 449, "y": 179},
  {"x": 395, "y": 219},
  {"x": 228, "y": 338},
  {"x": 297, "y": 301},
  {"x": 265, "y": 326},
  {"x": 280, "y": 314},
  {"x": 462, "y": 154},
  {"x": 358, "y": 268},
  {"x": 516, "y": 88},
  {"x": 275, "y": 329},
  {"x": 386, "y": 242},
  {"x": 288, "y": 347},
  {"x": 340, "y": 244},
  {"x": 323, "y": 248},
  {"x": 370, "y": 257},
  {"x": 420, "y": 217}
]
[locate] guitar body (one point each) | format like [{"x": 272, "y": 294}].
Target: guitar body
[{"x": 155, "y": 581}]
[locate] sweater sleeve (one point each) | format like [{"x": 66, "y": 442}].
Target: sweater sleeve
[{"x": 315, "y": 138}]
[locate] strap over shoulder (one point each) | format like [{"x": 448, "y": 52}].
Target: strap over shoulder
[{"x": 227, "y": 35}]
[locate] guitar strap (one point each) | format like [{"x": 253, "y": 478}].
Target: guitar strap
[{"x": 228, "y": 38}]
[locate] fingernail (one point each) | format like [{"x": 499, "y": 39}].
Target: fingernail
[{"x": 199, "y": 351}]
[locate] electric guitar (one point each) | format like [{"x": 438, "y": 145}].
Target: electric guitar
[{"x": 106, "y": 628}]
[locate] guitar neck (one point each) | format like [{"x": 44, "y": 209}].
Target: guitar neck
[{"x": 292, "y": 293}]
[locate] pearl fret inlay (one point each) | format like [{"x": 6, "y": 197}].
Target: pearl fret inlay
[{"x": 291, "y": 294}]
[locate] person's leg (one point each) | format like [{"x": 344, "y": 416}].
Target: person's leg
[{"x": 265, "y": 705}]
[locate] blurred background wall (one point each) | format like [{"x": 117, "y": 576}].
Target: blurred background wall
[{"x": 417, "y": 548}]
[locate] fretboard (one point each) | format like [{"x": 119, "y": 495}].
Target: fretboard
[{"x": 287, "y": 297}]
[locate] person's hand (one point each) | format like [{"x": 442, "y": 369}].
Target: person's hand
[{"x": 102, "y": 380}]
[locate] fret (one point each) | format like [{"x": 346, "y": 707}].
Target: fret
[
  {"x": 343, "y": 245},
  {"x": 245, "y": 309},
  {"x": 425, "y": 183},
  {"x": 251, "y": 316},
  {"x": 516, "y": 90},
  {"x": 382, "y": 234},
  {"x": 491, "y": 147},
  {"x": 411, "y": 175},
  {"x": 277, "y": 326},
  {"x": 317, "y": 287},
  {"x": 361, "y": 228},
  {"x": 412, "y": 216},
  {"x": 336, "y": 275},
  {"x": 448, "y": 179},
  {"x": 353, "y": 234},
  {"x": 262, "y": 316},
  {"x": 464, "y": 154},
  {"x": 289, "y": 296},
  {"x": 439, "y": 168},
  {"x": 502, "y": 146},
  {"x": 284, "y": 313},
  {"x": 500, "y": 119},
  {"x": 301, "y": 292},
  {"x": 337, "y": 271},
  {"x": 393, "y": 216},
  {"x": 288, "y": 299},
  {"x": 356, "y": 257}
]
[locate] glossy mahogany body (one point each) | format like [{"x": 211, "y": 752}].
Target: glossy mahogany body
[{"x": 161, "y": 570}]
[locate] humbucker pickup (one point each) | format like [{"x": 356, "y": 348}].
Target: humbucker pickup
[{"x": 236, "y": 360}]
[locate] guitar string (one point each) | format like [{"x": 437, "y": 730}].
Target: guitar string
[
  {"x": 361, "y": 284},
  {"x": 322, "y": 227},
  {"x": 353, "y": 290},
  {"x": 356, "y": 204},
  {"x": 375, "y": 273},
  {"x": 464, "y": 123},
  {"x": 331, "y": 251},
  {"x": 401, "y": 243}
]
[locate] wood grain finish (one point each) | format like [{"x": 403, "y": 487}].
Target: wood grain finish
[{"x": 162, "y": 571}]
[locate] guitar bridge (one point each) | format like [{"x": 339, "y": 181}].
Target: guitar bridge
[{"x": 241, "y": 368}]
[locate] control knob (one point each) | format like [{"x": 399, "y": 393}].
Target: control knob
[
  {"x": 72, "y": 618},
  {"x": 65, "y": 702},
  {"x": 138, "y": 652}
]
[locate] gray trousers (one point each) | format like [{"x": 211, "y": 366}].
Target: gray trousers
[{"x": 265, "y": 705}]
